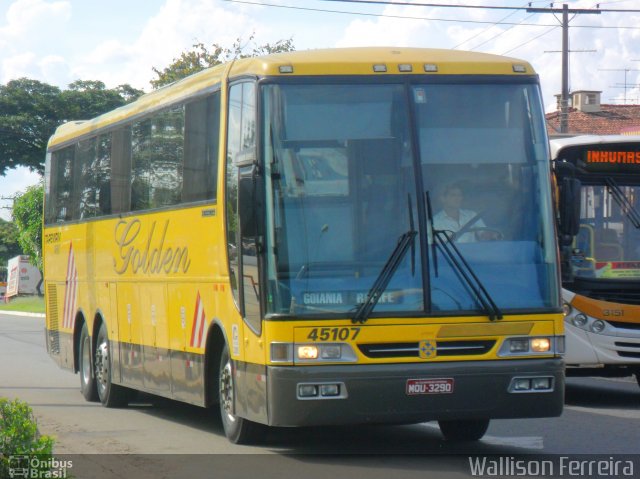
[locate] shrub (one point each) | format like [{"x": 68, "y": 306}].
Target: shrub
[{"x": 19, "y": 434}]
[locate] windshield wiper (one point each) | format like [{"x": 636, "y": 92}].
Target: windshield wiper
[
  {"x": 434, "y": 254},
  {"x": 405, "y": 241},
  {"x": 441, "y": 239},
  {"x": 623, "y": 202}
]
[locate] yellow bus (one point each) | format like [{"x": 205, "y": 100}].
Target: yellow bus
[
  {"x": 601, "y": 253},
  {"x": 313, "y": 238}
]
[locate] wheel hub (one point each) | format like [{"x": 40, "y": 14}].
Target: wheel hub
[
  {"x": 226, "y": 391},
  {"x": 102, "y": 364}
]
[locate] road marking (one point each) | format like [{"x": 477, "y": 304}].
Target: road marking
[{"x": 619, "y": 413}]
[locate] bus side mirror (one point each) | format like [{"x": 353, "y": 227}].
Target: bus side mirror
[
  {"x": 569, "y": 208},
  {"x": 247, "y": 200}
]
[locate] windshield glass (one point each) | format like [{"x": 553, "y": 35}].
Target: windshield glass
[
  {"x": 342, "y": 165},
  {"x": 342, "y": 194},
  {"x": 485, "y": 165},
  {"x": 607, "y": 244}
]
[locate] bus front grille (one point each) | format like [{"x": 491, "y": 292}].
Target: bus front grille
[
  {"x": 634, "y": 347},
  {"x": 412, "y": 349},
  {"x": 620, "y": 324}
]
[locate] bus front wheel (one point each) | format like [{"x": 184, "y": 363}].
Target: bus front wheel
[
  {"x": 238, "y": 430},
  {"x": 464, "y": 430},
  {"x": 87, "y": 379}
]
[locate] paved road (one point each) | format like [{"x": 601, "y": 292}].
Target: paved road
[{"x": 602, "y": 416}]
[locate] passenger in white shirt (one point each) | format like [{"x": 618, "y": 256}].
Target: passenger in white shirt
[{"x": 452, "y": 217}]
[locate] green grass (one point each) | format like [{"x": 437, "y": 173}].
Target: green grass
[{"x": 26, "y": 304}]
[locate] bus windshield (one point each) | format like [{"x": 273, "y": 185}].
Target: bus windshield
[
  {"x": 348, "y": 168},
  {"x": 608, "y": 242}
]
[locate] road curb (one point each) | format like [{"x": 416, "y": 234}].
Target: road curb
[{"x": 20, "y": 313}]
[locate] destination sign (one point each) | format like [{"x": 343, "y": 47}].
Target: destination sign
[
  {"x": 613, "y": 157},
  {"x": 318, "y": 298},
  {"x": 618, "y": 158}
]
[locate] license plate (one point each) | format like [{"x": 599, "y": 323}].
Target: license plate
[{"x": 429, "y": 386}]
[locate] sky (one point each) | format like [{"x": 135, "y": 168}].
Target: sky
[{"x": 120, "y": 41}]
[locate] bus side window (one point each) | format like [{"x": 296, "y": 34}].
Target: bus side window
[
  {"x": 157, "y": 153},
  {"x": 202, "y": 130},
  {"x": 58, "y": 207},
  {"x": 121, "y": 170}
]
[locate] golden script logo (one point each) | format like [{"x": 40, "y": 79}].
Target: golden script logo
[{"x": 146, "y": 253}]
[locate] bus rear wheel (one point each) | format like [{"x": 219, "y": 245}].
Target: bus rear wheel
[
  {"x": 238, "y": 430},
  {"x": 111, "y": 395},
  {"x": 464, "y": 430},
  {"x": 87, "y": 379}
]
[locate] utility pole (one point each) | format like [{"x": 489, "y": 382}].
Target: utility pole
[{"x": 564, "y": 98}]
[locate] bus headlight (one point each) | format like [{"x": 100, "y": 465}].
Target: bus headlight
[
  {"x": 312, "y": 353},
  {"x": 598, "y": 326},
  {"x": 307, "y": 352},
  {"x": 540, "y": 345},
  {"x": 532, "y": 346},
  {"x": 519, "y": 345},
  {"x": 579, "y": 320},
  {"x": 321, "y": 352},
  {"x": 566, "y": 309}
]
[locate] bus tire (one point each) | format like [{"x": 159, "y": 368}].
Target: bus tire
[
  {"x": 237, "y": 429},
  {"x": 87, "y": 378},
  {"x": 464, "y": 430},
  {"x": 111, "y": 395}
]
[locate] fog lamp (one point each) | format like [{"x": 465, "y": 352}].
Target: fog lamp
[
  {"x": 522, "y": 384},
  {"x": 541, "y": 383},
  {"x": 307, "y": 390},
  {"x": 329, "y": 390}
]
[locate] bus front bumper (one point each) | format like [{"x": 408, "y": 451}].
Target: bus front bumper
[{"x": 411, "y": 393}]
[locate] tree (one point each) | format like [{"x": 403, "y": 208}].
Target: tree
[
  {"x": 201, "y": 57},
  {"x": 27, "y": 216},
  {"x": 30, "y": 111},
  {"x": 88, "y": 99}
]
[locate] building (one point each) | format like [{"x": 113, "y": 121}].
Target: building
[{"x": 588, "y": 116}]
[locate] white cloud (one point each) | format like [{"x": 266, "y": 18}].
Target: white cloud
[
  {"x": 25, "y": 17},
  {"x": 29, "y": 32},
  {"x": 616, "y": 45},
  {"x": 176, "y": 26},
  {"x": 17, "y": 66}
]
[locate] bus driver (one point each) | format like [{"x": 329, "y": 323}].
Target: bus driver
[{"x": 452, "y": 218}]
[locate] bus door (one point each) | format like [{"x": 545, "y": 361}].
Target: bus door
[{"x": 245, "y": 338}]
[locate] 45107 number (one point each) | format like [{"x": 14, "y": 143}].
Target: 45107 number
[{"x": 333, "y": 334}]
